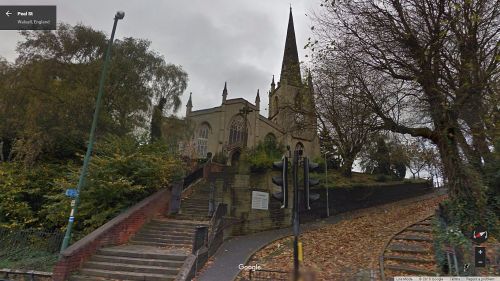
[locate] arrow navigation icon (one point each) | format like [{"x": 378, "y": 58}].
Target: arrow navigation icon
[{"x": 8, "y": 13}]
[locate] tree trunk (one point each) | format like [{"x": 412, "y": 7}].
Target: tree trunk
[
  {"x": 1, "y": 152},
  {"x": 156, "y": 120},
  {"x": 347, "y": 167},
  {"x": 463, "y": 183}
]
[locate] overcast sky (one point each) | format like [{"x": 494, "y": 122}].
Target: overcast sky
[{"x": 238, "y": 41}]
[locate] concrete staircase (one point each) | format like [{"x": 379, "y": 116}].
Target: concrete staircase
[
  {"x": 195, "y": 207},
  {"x": 167, "y": 233},
  {"x": 410, "y": 252},
  {"x": 132, "y": 262},
  {"x": 156, "y": 252}
]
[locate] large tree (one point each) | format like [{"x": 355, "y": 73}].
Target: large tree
[
  {"x": 348, "y": 121},
  {"x": 435, "y": 64},
  {"x": 49, "y": 98}
]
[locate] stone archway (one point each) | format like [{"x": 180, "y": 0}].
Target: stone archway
[{"x": 235, "y": 157}]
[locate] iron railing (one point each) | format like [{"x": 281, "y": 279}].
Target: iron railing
[{"x": 194, "y": 176}]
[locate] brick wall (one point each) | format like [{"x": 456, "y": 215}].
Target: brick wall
[{"x": 115, "y": 232}]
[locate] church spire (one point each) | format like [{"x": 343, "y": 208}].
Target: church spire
[
  {"x": 224, "y": 93},
  {"x": 189, "y": 105},
  {"x": 290, "y": 68}
]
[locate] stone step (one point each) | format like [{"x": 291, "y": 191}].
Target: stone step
[
  {"x": 410, "y": 269},
  {"x": 170, "y": 227},
  {"x": 140, "y": 255},
  {"x": 181, "y": 223},
  {"x": 131, "y": 268},
  {"x": 194, "y": 208},
  {"x": 90, "y": 278},
  {"x": 413, "y": 238},
  {"x": 420, "y": 229},
  {"x": 138, "y": 261},
  {"x": 150, "y": 232},
  {"x": 121, "y": 275},
  {"x": 174, "y": 222},
  {"x": 194, "y": 217},
  {"x": 196, "y": 213},
  {"x": 172, "y": 235},
  {"x": 163, "y": 240},
  {"x": 163, "y": 231},
  {"x": 202, "y": 197},
  {"x": 161, "y": 244},
  {"x": 408, "y": 249},
  {"x": 408, "y": 259}
]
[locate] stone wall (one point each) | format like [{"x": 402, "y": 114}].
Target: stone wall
[{"x": 236, "y": 192}]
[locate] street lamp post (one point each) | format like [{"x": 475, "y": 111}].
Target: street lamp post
[
  {"x": 326, "y": 186},
  {"x": 81, "y": 181}
]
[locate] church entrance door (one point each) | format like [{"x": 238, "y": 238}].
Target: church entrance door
[{"x": 235, "y": 158}]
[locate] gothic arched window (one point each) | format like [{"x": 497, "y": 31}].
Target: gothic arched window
[
  {"x": 270, "y": 139},
  {"x": 237, "y": 128},
  {"x": 202, "y": 141}
]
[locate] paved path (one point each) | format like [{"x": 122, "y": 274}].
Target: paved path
[{"x": 238, "y": 250}]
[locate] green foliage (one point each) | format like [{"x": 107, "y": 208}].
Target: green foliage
[
  {"x": 450, "y": 236},
  {"x": 121, "y": 173},
  {"x": 261, "y": 157},
  {"x": 384, "y": 157},
  {"x": 381, "y": 178},
  {"x": 27, "y": 194},
  {"x": 47, "y": 97},
  {"x": 492, "y": 171}
]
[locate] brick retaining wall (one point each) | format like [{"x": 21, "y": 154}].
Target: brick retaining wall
[{"x": 115, "y": 232}]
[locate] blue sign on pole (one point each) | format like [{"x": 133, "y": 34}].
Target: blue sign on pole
[
  {"x": 71, "y": 193},
  {"x": 71, "y": 219}
]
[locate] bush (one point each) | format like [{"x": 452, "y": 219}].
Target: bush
[
  {"x": 382, "y": 178},
  {"x": 261, "y": 157},
  {"x": 121, "y": 173}
]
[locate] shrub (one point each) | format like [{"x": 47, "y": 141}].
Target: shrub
[
  {"x": 121, "y": 173},
  {"x": 261, "y": 157},
  {"x": 381, "y": 178}
]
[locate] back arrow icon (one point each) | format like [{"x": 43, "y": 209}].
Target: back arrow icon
[{"x": 8, "y": 13}]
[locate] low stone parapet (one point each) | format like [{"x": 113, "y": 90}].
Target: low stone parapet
[{"x": 115, "y": 232}]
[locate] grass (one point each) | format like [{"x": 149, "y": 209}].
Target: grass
[
  {"x": 337, "y": 180},
  {"x": 28, "y": 260}
]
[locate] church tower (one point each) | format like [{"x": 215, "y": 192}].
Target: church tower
[{"x": 291, "y": 102}]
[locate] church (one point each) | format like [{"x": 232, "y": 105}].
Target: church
[{"x": 237, "y": 123}]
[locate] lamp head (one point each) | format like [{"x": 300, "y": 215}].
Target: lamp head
[{"x": 120, "y": 15}]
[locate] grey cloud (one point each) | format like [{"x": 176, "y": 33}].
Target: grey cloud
[{"x": 237, "y": 41}]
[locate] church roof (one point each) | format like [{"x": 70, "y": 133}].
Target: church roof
[{"x": 290, "y": 68}]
